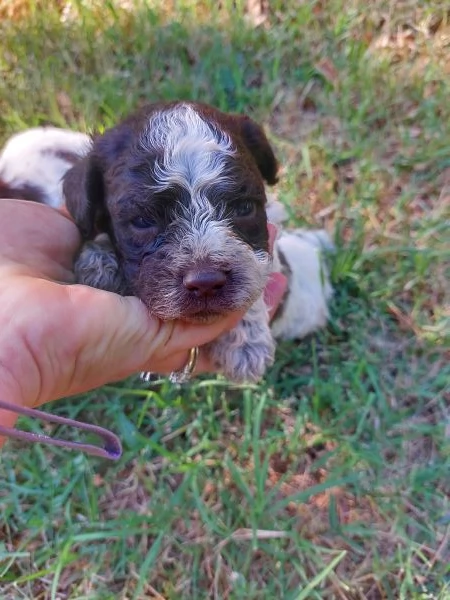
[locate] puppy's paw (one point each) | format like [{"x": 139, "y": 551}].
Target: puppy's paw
[
  {"x": 244, "y": 353},
  {"x": 97, "y": 266}
]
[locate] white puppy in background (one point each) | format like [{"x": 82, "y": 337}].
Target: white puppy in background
[
  {"x": 33, "y": 163},
  {"x": 300, "y": 255}
]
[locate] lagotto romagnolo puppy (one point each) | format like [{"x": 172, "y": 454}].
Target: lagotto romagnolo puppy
[
  {"x": 176, "y": 192},
  {"x": 172, "y": 206}
]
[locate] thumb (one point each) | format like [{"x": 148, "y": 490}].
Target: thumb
[{"x": 117, "y": 336}]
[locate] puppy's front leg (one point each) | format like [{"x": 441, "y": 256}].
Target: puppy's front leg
[
  {"x": 97, "y": 266},
  {"x": 244, "y": 353}
]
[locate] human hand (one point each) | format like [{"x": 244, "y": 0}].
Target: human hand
[{"x": 58, "y": 339}]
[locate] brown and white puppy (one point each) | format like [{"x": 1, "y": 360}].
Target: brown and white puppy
[
  {"x": 33, "y": 163},
  {"x": 172, "y": 205}
]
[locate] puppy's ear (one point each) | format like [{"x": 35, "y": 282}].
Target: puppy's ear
[
  {"x": 256, "y": 141},
  {"x": 84, "y": 193},
  {"x": 84, "y": 186}
]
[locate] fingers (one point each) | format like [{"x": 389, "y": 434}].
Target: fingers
[
  {"x": 178, "y": 361},
  {"x": 51, "y": 239},
  {"x": 114, "y": 337}
]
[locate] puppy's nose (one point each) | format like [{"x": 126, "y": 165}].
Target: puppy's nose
[{"x": 204, "y": 282}]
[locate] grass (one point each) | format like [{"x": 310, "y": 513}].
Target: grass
[{"x": 330, "y": 480}]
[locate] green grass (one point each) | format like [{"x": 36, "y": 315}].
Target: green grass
[{"x": 330, "y": 479}]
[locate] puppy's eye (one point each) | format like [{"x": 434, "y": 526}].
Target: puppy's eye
[
  {"x": 244, "y": 208},
  {"x": 143, "y": 222}
]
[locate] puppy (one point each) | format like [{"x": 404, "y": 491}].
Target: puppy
[
  {"x": 302, "y": 256},
  {"x": 172, "y": 205},
  {"x": 33, "y": 163}
]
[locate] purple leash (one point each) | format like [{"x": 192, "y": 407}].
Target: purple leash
[{"x": 111, "y": 448}]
